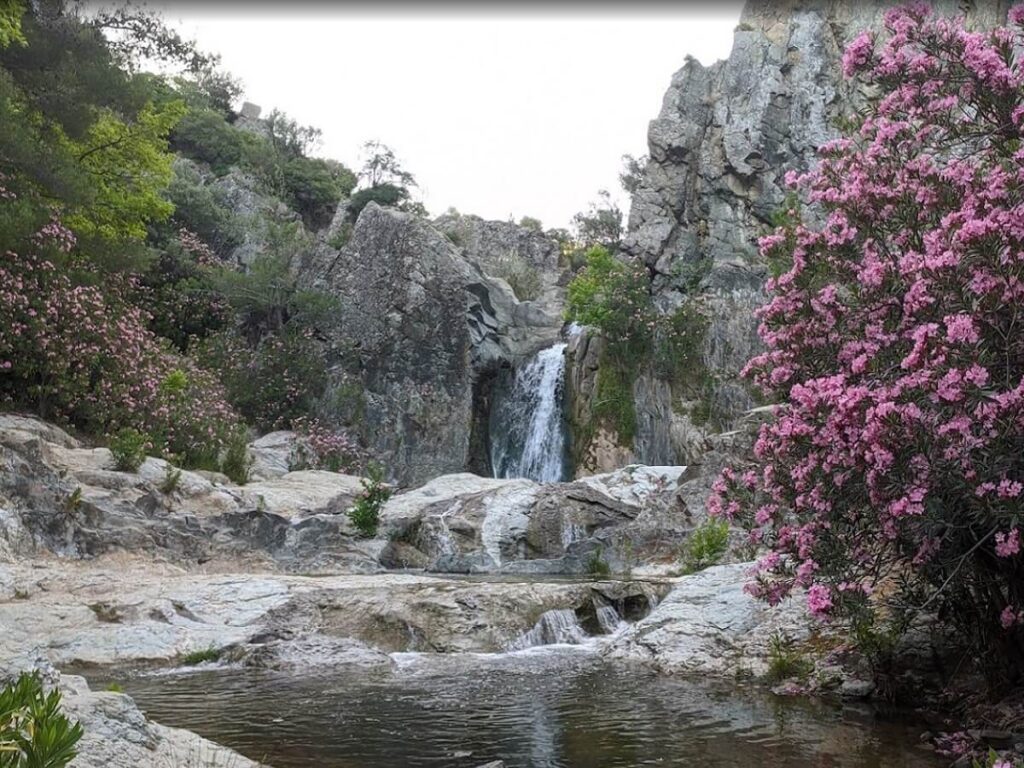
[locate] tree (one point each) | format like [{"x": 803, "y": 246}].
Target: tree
[
  {"x": 382, "y": 167},
  {"x": 600, "y": 224},
  {"x": 890, "y": 482},
  {"x": 632, "y": 172}
]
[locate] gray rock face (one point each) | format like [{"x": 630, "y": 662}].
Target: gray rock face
[{"x": 423, "y": 324}]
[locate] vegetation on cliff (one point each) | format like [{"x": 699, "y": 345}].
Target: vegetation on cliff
[{"x": 122, "y": 311}]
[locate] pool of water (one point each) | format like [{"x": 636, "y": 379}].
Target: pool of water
[{"x": 558, "y": 707}]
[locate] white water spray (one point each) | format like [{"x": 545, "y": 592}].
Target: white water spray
[{"x": 527, "y": 429}]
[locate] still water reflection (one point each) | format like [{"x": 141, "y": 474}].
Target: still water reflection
[{"x": 543, "y": 708}]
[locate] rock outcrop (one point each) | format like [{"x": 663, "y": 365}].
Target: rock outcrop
[
  {"x": 468, "y": 524},
  {"x": 57, "y": 495},
  {"x": 709, "y": 625},
  {"x": 422, "y": 325}
]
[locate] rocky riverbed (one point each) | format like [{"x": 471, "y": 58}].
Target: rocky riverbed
[{"x": 103, "y": 570}]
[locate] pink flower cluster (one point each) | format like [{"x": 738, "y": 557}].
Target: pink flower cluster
[
  {"x": 893, "y": 340},
  {"x": 79, "y": 351},
  {"x": 321, "y": 447}
]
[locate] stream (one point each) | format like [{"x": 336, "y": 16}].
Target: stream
[{"x": 544, "y": 707}]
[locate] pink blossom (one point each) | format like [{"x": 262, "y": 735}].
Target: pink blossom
[
  {"x": 819, "y": 600},
  {"x": 1008, "y": 544}
]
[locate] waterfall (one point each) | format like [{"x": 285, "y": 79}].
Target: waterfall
[
  {"x": 527, "y": 428},
  {"x": 555, "y": 626}
]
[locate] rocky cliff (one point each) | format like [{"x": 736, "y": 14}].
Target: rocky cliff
[
  {"x": 424, "y": 326},
  {"x": 719, "y": 149}
]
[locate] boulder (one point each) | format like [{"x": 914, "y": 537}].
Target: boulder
[
  {"x": 708, "y": 624},
  {"x": 465, "y": 523}
]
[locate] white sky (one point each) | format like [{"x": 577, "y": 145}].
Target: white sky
[{"x": 495, "y": 112}]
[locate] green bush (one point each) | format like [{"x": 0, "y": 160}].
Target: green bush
[
  {"x": 237, "y": 463},
  {"x": 205, "y": 135},
  {"x": 521, "y": 276},
  {"x": 128, "y": 447},
  {"x": 172, "y": 478},
  {"x": 365, "y": 513},
  {"x": 212, "y": 653},
  {"x": 613, "y": 296},
  {"x": 314, "y": 187},
  {"x": 387, "y": 195},
  {"x": 706, "y": 545},
  {"x": 33, "y": 731},
  {"x": 202, "y": 208},
  {"x": 785, "y": 661},
  {"x": 273, "y": 383},
  {"x": 597, "y": 566}
]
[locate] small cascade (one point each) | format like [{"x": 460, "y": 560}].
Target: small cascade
[
  {"x": 556, "y": 626},
  {"x": 527, "y": 422},
  {"x": 609, "y": 620}
]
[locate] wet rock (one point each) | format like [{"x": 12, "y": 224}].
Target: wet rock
[
  {"x": 467, "y": 524},
  {"x": 856, "y": 689},
  {"x": 312, "y": 651}
]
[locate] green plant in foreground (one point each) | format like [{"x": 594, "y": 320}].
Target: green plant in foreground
[
  {"x": 193, "y": 658},
  {"x": 33, "y": 731},
  {"x": 597, "y": 566},
  {"x": 365, "y": 513},
  {"x": 785, "y": 661},
  {"x": 128, "y": 447},
  {"x": 115, "y": 688},
  {"x": 705, "y": 546},
  {"x": 237, "y": 463},
  {"x": 172, "y": 478}
]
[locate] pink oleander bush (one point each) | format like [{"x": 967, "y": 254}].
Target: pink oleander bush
[
  {"x": 74, "y": 349},
  {"x": 891, "y": 481},
  {"x": 320, "y": 447}
]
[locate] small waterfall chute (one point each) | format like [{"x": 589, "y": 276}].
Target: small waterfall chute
[
  {"x": 527, "y": 422},
  {"x": 559, "y": 626}
]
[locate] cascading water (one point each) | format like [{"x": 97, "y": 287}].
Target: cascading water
[{"x": 527, "y": 422}]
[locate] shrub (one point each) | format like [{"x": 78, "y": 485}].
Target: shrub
[
  {"x": 202, "y": 209},
  {"x": 597, "y": 566},
  {"x": 387, "y": 195},
  {"x": 272, "y": 384},
  {"x": 365, "y": 513},
  {"x": 201, "y": 656},
  {"x": 128, "y": 447},
  {"x": 890, "y": 483},
  {"x": 529, "y": 222},
  {"x": 522, "y": 277},
  {"x": 314, "y": 187},
  {"x": 204, "y": 134},
  {"x": 705, "y": 546},
  {"x": 237, "y": 463},
  {"x": 613, "y": 296},
  {"x": 322, "y": 448},
  {"x": 33, "y": 731},
  {"x": 785, "y": 661},
  {"x": 172, "y": 478},
  {"x": 79, "y": 350}
]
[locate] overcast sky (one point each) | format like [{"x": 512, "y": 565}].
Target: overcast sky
[{"x": 498, "y": 112}]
